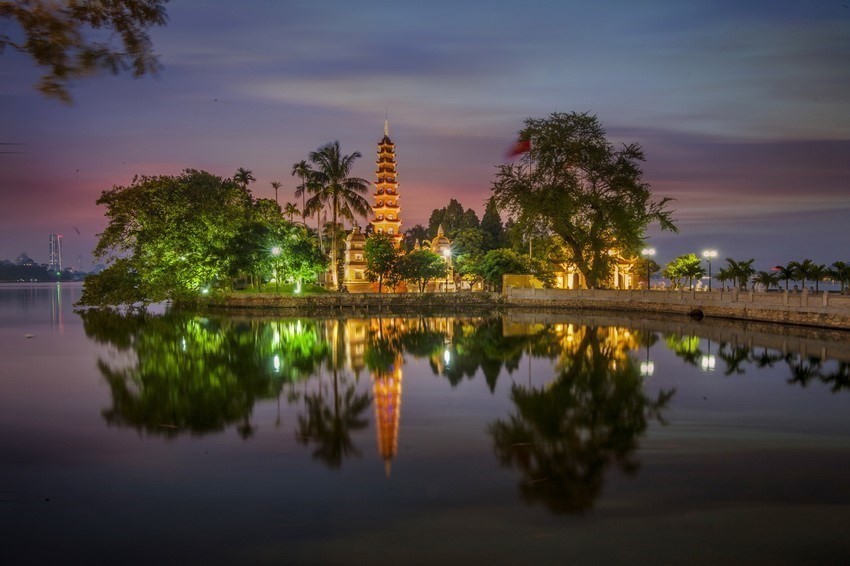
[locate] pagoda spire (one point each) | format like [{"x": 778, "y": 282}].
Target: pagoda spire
[{"x": 386, "y": 208}]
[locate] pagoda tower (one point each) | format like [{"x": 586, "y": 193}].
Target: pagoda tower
[{"x": 386, "y": 208}]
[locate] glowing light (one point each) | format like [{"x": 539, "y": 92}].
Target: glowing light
[
  {"x": 647, "y": 368},
  {"x": 447, "y": 356},
  {"x": 184, "y": 344},
  {"x": 708, "y": 362},
  {"x": 276, "y": 363},
  {"x": 298, "y": 287},
  {"x": 276, "y": 251},
  {"x": 708, "y": 254},
  {"x": 205, "y": 291}
]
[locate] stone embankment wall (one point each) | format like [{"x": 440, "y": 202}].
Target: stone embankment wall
[
  {"x": 333, "y": 304},
  {"x": 827, "y": 310}
]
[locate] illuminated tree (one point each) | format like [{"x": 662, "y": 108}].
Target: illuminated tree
[
  {"x": 576, "y": 184},
  {"x": 421, "y": 266},
  {"x": 173, "y": 236},
  {"x": 55, "y": 34},
  {"x": 382, "y": 260}
]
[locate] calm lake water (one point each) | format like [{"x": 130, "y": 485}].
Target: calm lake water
[{"x": 533, "y": 438}]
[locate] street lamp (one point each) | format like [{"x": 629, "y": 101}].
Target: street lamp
[
  {"x": 648, "y": 253},
  {"x": 447, "y": 253},
  {"x": 708, "y": 255}
]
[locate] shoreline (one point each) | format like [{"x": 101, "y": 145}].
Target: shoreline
[{"x": 827, "y": 310}]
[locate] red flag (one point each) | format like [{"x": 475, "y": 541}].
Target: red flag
[{"x": 520, "y": 147}]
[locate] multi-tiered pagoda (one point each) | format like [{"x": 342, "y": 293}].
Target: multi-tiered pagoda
[{"x": 386, "y": 208}]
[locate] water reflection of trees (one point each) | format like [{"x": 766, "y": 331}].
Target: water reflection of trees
[
  {"x": 737, "y": 358},
  {"x": 564, "y": 436},
  {"x": 186, "y": 373}
]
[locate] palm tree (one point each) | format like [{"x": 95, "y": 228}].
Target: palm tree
[
  {"x": 243, "y": 177},
  {"x": 803, "y": 270},
  {"x": 302, "y": 169},
  {"x": 291, "y": 210},
  {"x": 723, "y": 275},
  {"x": 335, "y": 188},
  {"x": 276, "y": 185},
  {"x": 784, "y": 274},
  {"x": 767, "y": 278},
  {"x": 741, "y": 271},
  {"x": 818, "y": 273},
  {"x": 840, "y": 273}
]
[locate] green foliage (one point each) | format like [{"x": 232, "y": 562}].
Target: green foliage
[
  {"x": 575, "y": 184},
  {"x": 382, "y": 260},
  {"x": 839, "y": 272},
  {"x": 767, "y": 278},
  {"x": 808, "y": 270},
  {"x": 172, "y": 237},
  {"x": 453, "y": 218},
  {"x": 175, "y": 235},
  {"x": 687, "y": 266},
  {"x": 491, "y": 225},
  {"x": 54, "y": 35},
  {"x": 741, "y": 271},
  {"x": 421, "y": 266},
  {"x": 416, "y": 233},
  {"x": 497, "y": 263}
]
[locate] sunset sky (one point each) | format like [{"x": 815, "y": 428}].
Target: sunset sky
[{"x": 743, "y": 109}]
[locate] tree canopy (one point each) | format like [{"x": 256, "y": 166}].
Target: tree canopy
[
  {"x": 66, "y": 39},
  {"x": 576, "y": 184},
  {"x": 175, "y": 236}
]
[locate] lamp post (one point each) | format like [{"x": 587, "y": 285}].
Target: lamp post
[
  {"x": 647, "y": 253},
  {"x": 276, "y": 254},
  {"x": 708, "y": 255},
  {"x": 447, "y": 253}
]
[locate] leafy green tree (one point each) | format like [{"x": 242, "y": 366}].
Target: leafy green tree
[
  {"x": 338, "y": 190},
  {"x": 741, "y": 271},
  {"x": 687, "y": 266},
  {"x": 243, "y": 177},
  {"x": 497, "y": 263},
  {"x": 645, "y": 268},
  {"x": 382, "y": 260},
  {"x": 299, "y": 257},
  {"x": 839, "y": 272},
  {"x": 453, "y": 219},
  {"x": 575, "y": 184},
  {"x": 491, "y": 225},
  {"x": 422, "y": 266},
  {"x": 55, "y": 36},
  {"x": 174, "y": 233}
]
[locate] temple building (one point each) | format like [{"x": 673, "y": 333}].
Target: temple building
[
  {"x": 386, "y": 208},
  {"x": 354, "y": 273}
]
